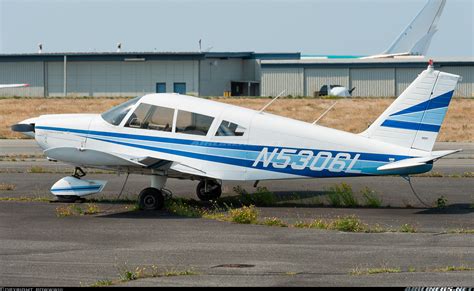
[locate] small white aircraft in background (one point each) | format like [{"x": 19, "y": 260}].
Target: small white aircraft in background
[
  {"x": 6, "y": 86},
  {"x": 184, "y": 137}
]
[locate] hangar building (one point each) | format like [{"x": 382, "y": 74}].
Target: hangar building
[
  {"x": 215, "y": 74},
  {"x": 132, "y": 73},
  {"x": 370, "y": 77}
]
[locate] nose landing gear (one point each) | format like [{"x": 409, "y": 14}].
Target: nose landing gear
[{"x": 208, "y": 190}]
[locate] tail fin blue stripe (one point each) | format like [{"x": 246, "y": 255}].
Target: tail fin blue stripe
[
  {"x": 438, "y": 102},
  {"x": 411, "y": 125}
]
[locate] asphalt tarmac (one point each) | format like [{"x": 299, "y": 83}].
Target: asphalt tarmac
[{"x": 37, "y": 248}]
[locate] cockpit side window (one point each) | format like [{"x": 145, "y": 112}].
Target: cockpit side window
[
  {"x": 151, "y": 117},
  {"x": 139, "y": 116},
  {"x": 161, "y": 118},
  {"x": 228, "y": 128},
  {"x": 116, "y": 114},
  {"x": 193, "y": 123}
]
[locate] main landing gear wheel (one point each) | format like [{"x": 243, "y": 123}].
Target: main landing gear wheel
[
  {"x": 208, "y": 190},
  {"x": 151, "y": 199}
]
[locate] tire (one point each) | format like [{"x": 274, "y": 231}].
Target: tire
[
  {"x": 67, "y": 198},
  {"x": 151, "y": 199},
  {"x": 214, "y": 190}
]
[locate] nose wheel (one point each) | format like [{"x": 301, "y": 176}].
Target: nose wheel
[
  {"x": 208, "y": 190},
  {"x": 151, "y": 199}
]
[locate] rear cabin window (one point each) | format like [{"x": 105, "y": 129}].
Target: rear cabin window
[
  {"x": 193, "y": 123},
  {"x": 151, "y": 117},
  {"x": 228, "y": 128}
]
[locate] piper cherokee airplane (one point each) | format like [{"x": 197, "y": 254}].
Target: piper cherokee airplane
[{"x": 177, "y": 136}]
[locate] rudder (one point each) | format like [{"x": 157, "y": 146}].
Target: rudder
[{"x": 415, "y": 118}]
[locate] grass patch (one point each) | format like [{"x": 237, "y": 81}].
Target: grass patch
[
  {"x": 244, "y": 215},
  {"x": 371, "y": 271},
  {"x": 274, "y": 221},
  {"x": 37, "y": 170},
  {"x": 181, "y": 207},
  {"x": 461, "y": 268},
  {"x": 7, "y": 187},
  {"x": 407, "y": 228},
  {"x": 25, "y": 199},
  {"x": 347, "y": 224},
  {"x": 103, "y": 283},
  {"x": 77, "y": 210},
  {"x": 126, "y": 274},
  {"x": 342, "y": 195},
  {"x": 174, "y": 273},
  {"x": 462, "y": 231}
]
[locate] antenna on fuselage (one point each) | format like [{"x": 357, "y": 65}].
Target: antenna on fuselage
[
  {"x": 273, "y": 100},
  {"x": 325, "y": 112}
]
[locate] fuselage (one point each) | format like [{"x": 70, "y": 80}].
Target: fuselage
[{"x": 270, "y": 147}]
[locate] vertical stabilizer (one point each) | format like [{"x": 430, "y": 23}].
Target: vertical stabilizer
[
  {"x": 416, "y": 38},
  {"x": 415, "y": 118}
]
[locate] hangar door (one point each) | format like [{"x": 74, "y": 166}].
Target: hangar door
[
  {"x": 373, "y": 82},
  {"x": 316, "y": 78}
]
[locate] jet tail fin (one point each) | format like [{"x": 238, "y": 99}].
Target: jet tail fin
[
  {"x": 416, "y": 116},
  {"x": 416, "y": 38}
]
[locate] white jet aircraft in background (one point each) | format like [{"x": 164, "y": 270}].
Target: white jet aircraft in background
[
  {"x": 414, "y": 40},
  {"x": 177, "y": 136}
]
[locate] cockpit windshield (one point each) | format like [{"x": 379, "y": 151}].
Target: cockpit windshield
[{"x": 116, "y": 114}]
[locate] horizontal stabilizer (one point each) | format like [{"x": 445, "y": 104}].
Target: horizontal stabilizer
[{"x": 415, "y": 162}]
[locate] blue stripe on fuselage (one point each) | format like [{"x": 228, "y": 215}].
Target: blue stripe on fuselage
[{"x": 245, "y": 147}]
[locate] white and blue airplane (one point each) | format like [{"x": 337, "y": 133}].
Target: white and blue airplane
[{"x": 177, "y": 136}]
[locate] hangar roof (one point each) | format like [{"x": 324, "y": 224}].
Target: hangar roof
[
  {"x": 143, "y": 56},
  {"x": 369, "y": 63}
]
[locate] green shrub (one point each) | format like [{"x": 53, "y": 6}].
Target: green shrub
[
  {"x": 342, "y": 195},
  {"x": 244, "y": 215},
  {"x": 441, "y": 202},
  {"x": 371, "y": 198}
]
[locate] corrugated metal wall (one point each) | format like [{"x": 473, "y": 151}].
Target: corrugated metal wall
[
  {"x": 315, "y": 78},
  {"x": 274, "y": 81},
  {"x": 373, "y": 82},
  {"x": 19, "y": 73},
  {"x": 121, "y": 78},
  {"x": 404, "y": 77},
  {"x": 466, "y": 87}
]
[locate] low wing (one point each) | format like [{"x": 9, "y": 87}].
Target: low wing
[
  {"x": 100, "y": 159},
  {"x": 415, "y": 162},
  {"x": 5, "y": 86}
]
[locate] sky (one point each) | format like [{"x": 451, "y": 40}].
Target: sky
[{"x": 327, "y": 27}]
